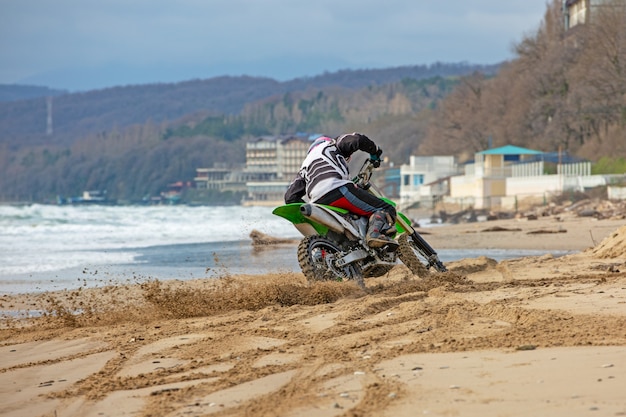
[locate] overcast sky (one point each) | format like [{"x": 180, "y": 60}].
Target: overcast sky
[{"x": 85, "y": 44}]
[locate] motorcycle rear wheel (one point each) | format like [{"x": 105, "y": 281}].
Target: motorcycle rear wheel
[
  {"x": 316, "y": 256},
  {"x": 409, "y": 255}
]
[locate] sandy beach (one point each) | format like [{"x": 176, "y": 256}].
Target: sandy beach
[{"x": 541, "y": 336}]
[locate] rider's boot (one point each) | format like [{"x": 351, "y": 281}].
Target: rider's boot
[{"x": 376, "y": 236}]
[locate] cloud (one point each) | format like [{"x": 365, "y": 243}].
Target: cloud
[{"x": 38, "y": 36}]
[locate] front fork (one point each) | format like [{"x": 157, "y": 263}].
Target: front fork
[{"x": 425, "y": 249}]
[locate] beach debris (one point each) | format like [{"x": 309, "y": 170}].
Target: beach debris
[
  {"x": 464, "y": 216},
  {"x": 546, "y": 231},
  {"x": 501, "y": 229},
  {"x": 597, "y": 208},
  {"x": 612, "y": 267}
]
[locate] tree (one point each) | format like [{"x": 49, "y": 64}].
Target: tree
[
  {"x": 564, "y": 90},
  {"x": 460, "y": 123},
  {"x": 600, "y": 88}
]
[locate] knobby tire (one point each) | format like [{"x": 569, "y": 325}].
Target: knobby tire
[
  {"x": 317, "y": 270},
  {"x": 408, "y": 254}
]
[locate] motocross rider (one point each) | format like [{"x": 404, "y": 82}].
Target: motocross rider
[{"x": 324, "y": 179}]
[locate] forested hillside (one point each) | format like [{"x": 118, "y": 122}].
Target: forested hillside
[
  {"x": 141, "y": 160},
  {"x": 110, "y": 150},
  {"x": 74, "y": 116}
]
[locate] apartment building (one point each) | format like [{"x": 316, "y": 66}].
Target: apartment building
[
  {"x": 276, "y": 160},
  {"x": 221, "y": 178},
  {"x": 425, "y": 179},
  {"x": 580, "y": 12}
]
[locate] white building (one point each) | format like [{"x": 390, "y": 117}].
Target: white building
[
  {"x": 502, "y": 177},
  {"x": 275, "y": 161},
  {"x": 271, "y": 163},
  {"x": 422, "y": 179},
  {"x": 579, "y": 12},
  {"x": 221, "y": 179}
]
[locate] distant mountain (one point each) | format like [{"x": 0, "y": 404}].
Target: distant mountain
[
  {"x": 25, "y": 122},
  {"x": 81, "y": 78},
  {"x": 14, "y": 92}
]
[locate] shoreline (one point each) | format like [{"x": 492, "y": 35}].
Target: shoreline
[{"x": 563, "y": 236}]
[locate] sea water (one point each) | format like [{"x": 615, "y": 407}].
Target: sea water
[
  {"x": 50, "y": 247},
  {"x": 46, "y": 247}
]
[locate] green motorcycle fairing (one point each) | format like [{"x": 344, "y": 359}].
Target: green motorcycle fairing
[{"x": 292, "y": 213}]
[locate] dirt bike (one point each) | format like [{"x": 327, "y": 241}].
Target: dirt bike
[{"x": 334, "y": 245}]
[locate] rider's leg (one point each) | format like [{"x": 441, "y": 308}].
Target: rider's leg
[
  {"x": 377, "y": 230},
  {"x": 382, "y": 215}
]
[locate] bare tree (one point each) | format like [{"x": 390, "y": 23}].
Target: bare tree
[
  {"x": 600, "y": 74},
  {"x": 460, "y": 125}
]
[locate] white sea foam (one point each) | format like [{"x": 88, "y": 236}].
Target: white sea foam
[{"x": 40, "y": 238}]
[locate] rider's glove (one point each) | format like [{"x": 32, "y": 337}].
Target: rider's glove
[{"x": 375, "y": 157}]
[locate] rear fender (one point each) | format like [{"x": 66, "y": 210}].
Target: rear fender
[{"x": 307, "y": 226}]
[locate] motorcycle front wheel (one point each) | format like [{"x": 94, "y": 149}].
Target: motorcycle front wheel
[
  {"x": 409, "y": 254},
  {"x": 317, "y": 257}
]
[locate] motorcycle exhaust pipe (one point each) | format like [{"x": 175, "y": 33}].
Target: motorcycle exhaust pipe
[{"x": 319, "y": 215}]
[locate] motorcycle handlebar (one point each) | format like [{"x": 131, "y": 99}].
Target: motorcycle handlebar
[{"x": 365, "y": 173}]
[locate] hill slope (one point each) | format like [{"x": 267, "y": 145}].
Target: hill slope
[{"x": 24, "y": 122}]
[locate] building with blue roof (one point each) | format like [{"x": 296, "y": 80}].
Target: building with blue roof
[
  {"x": 501, "y": 177},
  {"x": 510, "y": 151}
]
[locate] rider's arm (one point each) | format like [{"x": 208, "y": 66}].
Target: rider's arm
[
  {"x": 349, "y": 143},
  {"x": 296, "y": 190}
]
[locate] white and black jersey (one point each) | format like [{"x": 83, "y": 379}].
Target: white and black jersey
[
  {"x": 323, "y": 170},
  {"x": 325, "y": 167}
]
